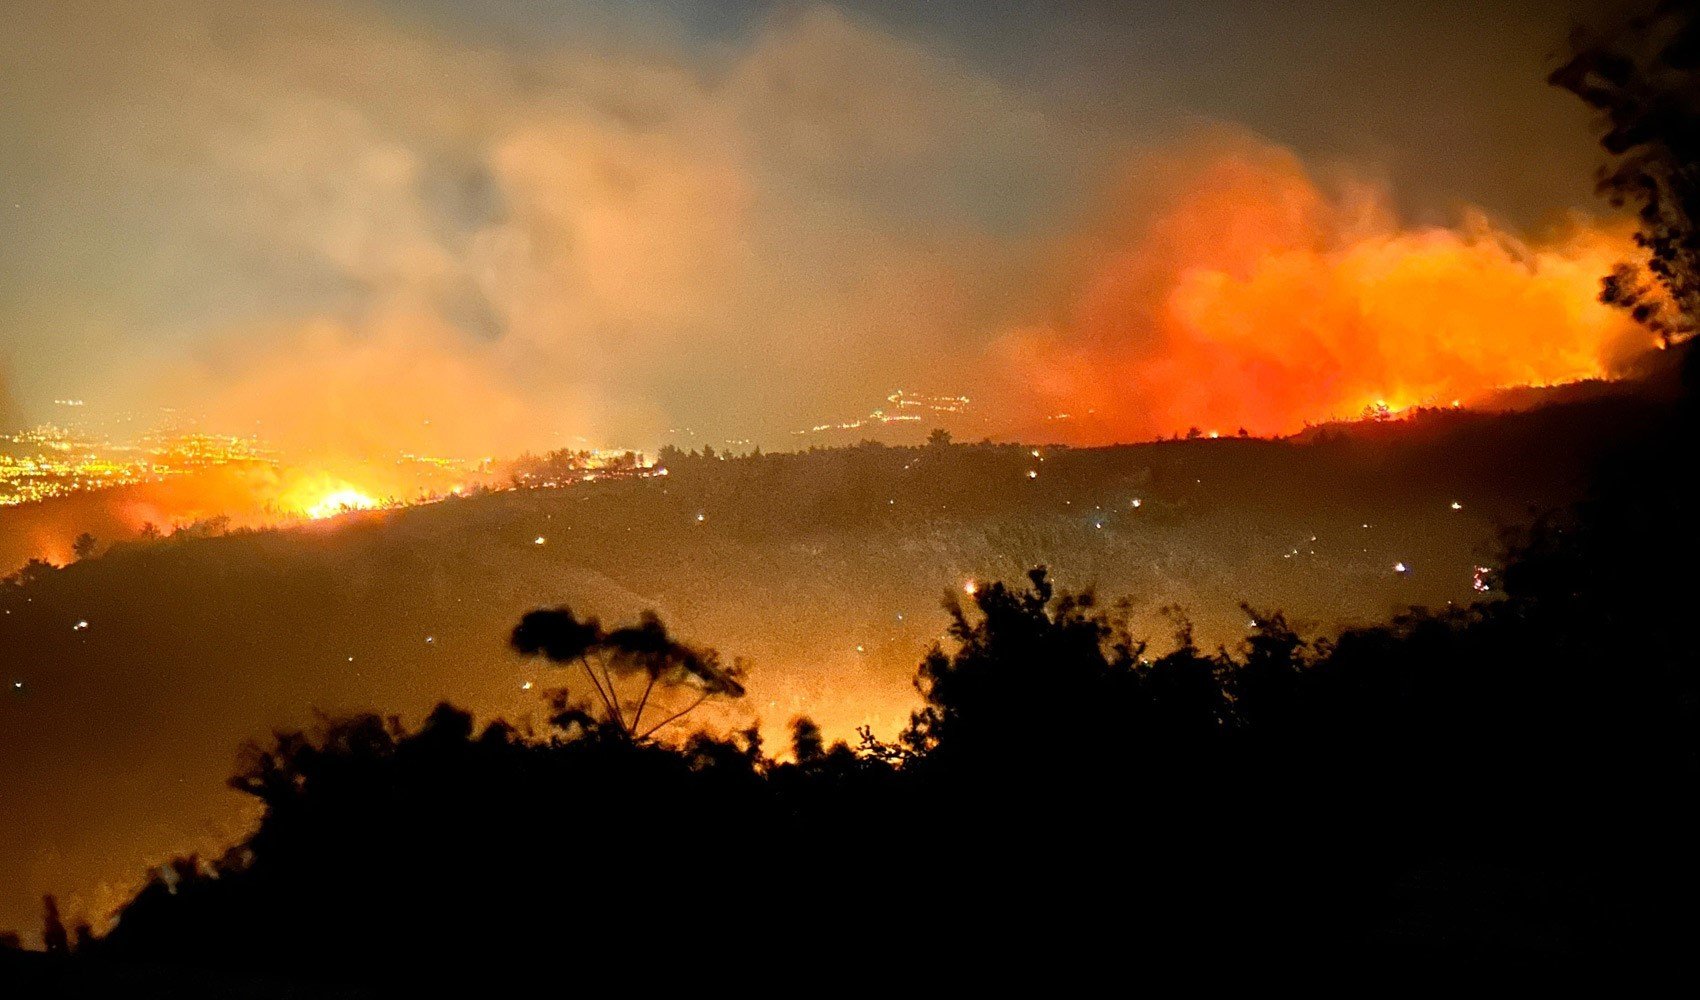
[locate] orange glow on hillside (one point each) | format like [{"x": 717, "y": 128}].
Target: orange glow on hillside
[
  {"x": 340, "y": 502},
  {"x": 318, "y": 495}
]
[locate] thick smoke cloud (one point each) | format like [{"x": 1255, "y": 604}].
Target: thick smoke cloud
[
  {"x": 364, "y": 226},
  {"x": 360, "y": 233},
  {"x": 1223, "y": 287}
]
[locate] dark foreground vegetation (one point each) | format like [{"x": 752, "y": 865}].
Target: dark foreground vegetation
[{"x": 1509, "y": 782}]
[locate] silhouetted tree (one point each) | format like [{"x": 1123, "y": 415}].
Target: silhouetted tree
[
  {"x": 643, "y": 650},
  {"x": 32, "y": 573},
  {"x": 1642, "y": 74},
  {"x": 807, "y": 743},
  {"x": 54, "y": 939},
  {"x": 84, "y": 545}
]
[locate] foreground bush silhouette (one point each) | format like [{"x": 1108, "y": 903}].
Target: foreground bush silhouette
[{"x": 1063, "y": 787}]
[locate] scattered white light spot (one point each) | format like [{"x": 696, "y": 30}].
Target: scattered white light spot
[
  {"x": 701, "y": 518},
  {"x": 1457, "y": 506},
  {"x": 1032, "y": 473},
  {"x": 1400, "y": 567},
  {"x": 539, "y": 540},
  {"x": 526, "y": 686},
  {"x": 83, "y": 624},
  {"x": 859, "y": 648},
  {"x": 1135, "y": 502},
  {"x": 970, "y": 588}
]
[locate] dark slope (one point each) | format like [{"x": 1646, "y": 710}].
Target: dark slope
[{"x": 824, "y": 568}]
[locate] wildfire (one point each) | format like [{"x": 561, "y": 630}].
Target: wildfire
[
  {"x": 1255, "y": 299},
  {"x": 340, "y": 502},
  {"x": 320, "y": 495}
]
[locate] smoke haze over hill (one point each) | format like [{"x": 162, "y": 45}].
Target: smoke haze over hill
[{"x": 357, "y": 230}]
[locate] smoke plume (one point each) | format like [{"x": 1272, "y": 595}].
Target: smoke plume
[{"x": 1223, "y": 287}]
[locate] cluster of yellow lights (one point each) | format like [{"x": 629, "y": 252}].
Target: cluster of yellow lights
[
  {"x": 903, "y": 401},
  {"x": 48, "y": 461}
]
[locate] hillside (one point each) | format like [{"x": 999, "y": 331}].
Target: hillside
[{"x": 131, "y": 679}]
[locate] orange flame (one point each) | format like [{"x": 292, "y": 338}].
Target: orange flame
[{"x": 1253, "y": 300}]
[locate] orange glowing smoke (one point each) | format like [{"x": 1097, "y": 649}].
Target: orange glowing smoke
[
  {"x": 1245, "y": 297},
  {"x": 239, "y": 495}
]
